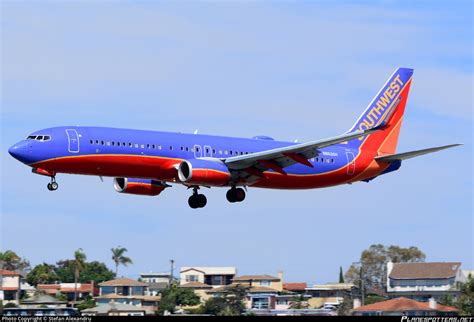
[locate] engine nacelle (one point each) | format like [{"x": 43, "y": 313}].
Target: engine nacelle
[
  {"x": 204, "y": 172},
  {"x": 143, "y": 187}
]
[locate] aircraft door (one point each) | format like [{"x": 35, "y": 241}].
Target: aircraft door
[
  {"x": 350, "y": 162},
  {"x": 207, "y": 151},
  {"x": 73, "y": 140},
  {"x": 197, "y": 151}
]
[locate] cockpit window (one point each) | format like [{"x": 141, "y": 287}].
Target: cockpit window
[{"x": 41, "y": 138}]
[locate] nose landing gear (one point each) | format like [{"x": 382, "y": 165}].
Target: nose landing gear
[
  {"x": 197, "y": 200},
  {"x": 235, "y": 195},
  {"x": 53, "y": 185}
]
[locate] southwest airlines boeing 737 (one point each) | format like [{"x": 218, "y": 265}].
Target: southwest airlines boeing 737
[{"x": 144, "y": 162}]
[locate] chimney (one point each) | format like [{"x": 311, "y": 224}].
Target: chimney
[
  {"x": 389, "y": 270},
  {"x": 280, "y": 276},
  {"x": 356, "y": 303},
  {"x": 432, "y": 303}
]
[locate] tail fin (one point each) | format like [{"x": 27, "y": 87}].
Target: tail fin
[{"x": 385, "y": 110}]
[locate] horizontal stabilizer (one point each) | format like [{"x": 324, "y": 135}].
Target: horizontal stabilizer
[{"x": 412, "y": 154}]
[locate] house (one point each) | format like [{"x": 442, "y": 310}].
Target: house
[
  {"x": 268, "y": 281},
  {"x": 10, "y": 286},
  {"x": 298, "y": 288},
  {"x": 156, "y": 281},
  {"x": 213, "y": 276},
  {"x": 405, "y": 307},
  {"x": 199, "y": 289},
  {"x": 42, "y": 300},
  {"x": 330, "y": 294},
  {"x": 83, "y": 290},
  {"x": 128, "y": 291},
  {"x": 257, "y": 297},
  {"x": 422, "y": 281},
  {"x": 114, "y": 309}
]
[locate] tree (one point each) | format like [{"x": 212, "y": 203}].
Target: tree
[
  {"x": 79, "y": 261},
  {"x": 119, "y": 258},
  {"x": 231, "y": 303},
  {"x": 298, "y": 302},
  {"x": 465, "y": 302},
  {"x": 9, "y": 260},
  {"x": 93, "y": 271},
  {"x": 341, "y": 275},
  {"x": 373, "y": 263},
  {"x": 42, "y": 274},
  {"x": 177, "y": 296}
]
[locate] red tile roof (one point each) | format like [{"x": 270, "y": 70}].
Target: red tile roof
[
  {"x": 403, "y": 304},
  {"x": 294, "y": 286},
  {"x": 13, "y": 288},
  {"x": 5, "y": 272}
]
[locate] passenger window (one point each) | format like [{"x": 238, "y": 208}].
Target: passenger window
[
  {"x": 113, "y": 143},
  {"x": 96, "y": 141},
  {"x": 130, "y": 144},
  {"x": 153, "y": 146},
  {"x": 182, "y": 149},
  {"x": 136, "y": 145},
  {"x": 230, "y": 152},
  {"x": 220, "y": 151},
  {"x": 147, "y": 146},
  {"x": 322, "y": 159},
  {"x": 92, "y": 141},
  {"x": 142, "y": 146},
  {"x": 171, "y": 148},
  {"x": 102, "y": 142},
  {"x": 108, "y": 143},
  {"x": 213, "y": 151},
  {"x": 226, "y": 152},
  {"x": 159, "y": 147},
  {"x": 187, "y": 149}
]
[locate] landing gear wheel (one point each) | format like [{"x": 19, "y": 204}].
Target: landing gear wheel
[
  {"x": 235, "y": 195},
  {"x": 239, "y": 194},
  {"x": 201, "y": 200},
  {"x": 53, "y": 185},
  {"x": 192, "y": 202},
  {"x": 230, "y": 195}
]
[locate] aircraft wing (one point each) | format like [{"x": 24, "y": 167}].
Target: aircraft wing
[
  {"x": 253, "y": 165},
  {"x": 412, "y": 154}
]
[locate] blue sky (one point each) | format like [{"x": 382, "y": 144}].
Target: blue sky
[{"x": 302, "y": 70}]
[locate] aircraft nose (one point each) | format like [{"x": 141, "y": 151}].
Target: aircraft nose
[{"x": 20, "y": 151}]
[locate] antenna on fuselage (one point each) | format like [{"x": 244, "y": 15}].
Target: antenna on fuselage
[{"x": 196, "y": 131}]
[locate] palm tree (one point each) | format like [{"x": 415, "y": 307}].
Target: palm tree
[
  {"x": 79, "y": 262},
  {"x": 119, "y": 258}
]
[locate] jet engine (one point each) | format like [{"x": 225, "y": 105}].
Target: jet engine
[
  {"x": 143, "y": 187},
  {"x": 206, "y": 172}
]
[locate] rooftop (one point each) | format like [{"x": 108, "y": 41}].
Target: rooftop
[
  {"x": 424, "y": 270},
  {"x": 123, "y": 282},
  {"x": 211, "y": 270},
  {"x": 196, "y": 285},
  {"x": 292, "y": 287},
  {"x": 5, "y": 272},
  {"x": 112, "y": 306},
  {"x": 403, "y": 304},
  {"x": 245, "y": 278},
  {"x": 331, "y": 286}
]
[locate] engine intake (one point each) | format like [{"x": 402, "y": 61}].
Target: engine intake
[
  {"x": 143, "y": 187},
  {"x": 204, "y": 172}
]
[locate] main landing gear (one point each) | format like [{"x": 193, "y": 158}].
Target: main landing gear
[
  {"x": 53, "y": 185},
  {"x": 235, "y": 195},
  {"x": 197, "y": 200}
]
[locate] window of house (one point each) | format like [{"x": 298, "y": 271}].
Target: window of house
[
  {"x": 192, "y": 278},
  {"x": 264, "y": 283}
]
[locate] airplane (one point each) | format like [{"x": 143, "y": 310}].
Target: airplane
[{"x": 147, "y": 162}]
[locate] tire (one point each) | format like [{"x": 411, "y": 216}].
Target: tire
[
  {"x": 50, "y": 187},
  {"x": 201, "y": 201},
  {"x": 192, "y": 202},
  {"x": 54, "y": 185},
  {"x": 239, "y": 194},
  {"x": 230, "y": 195}
]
